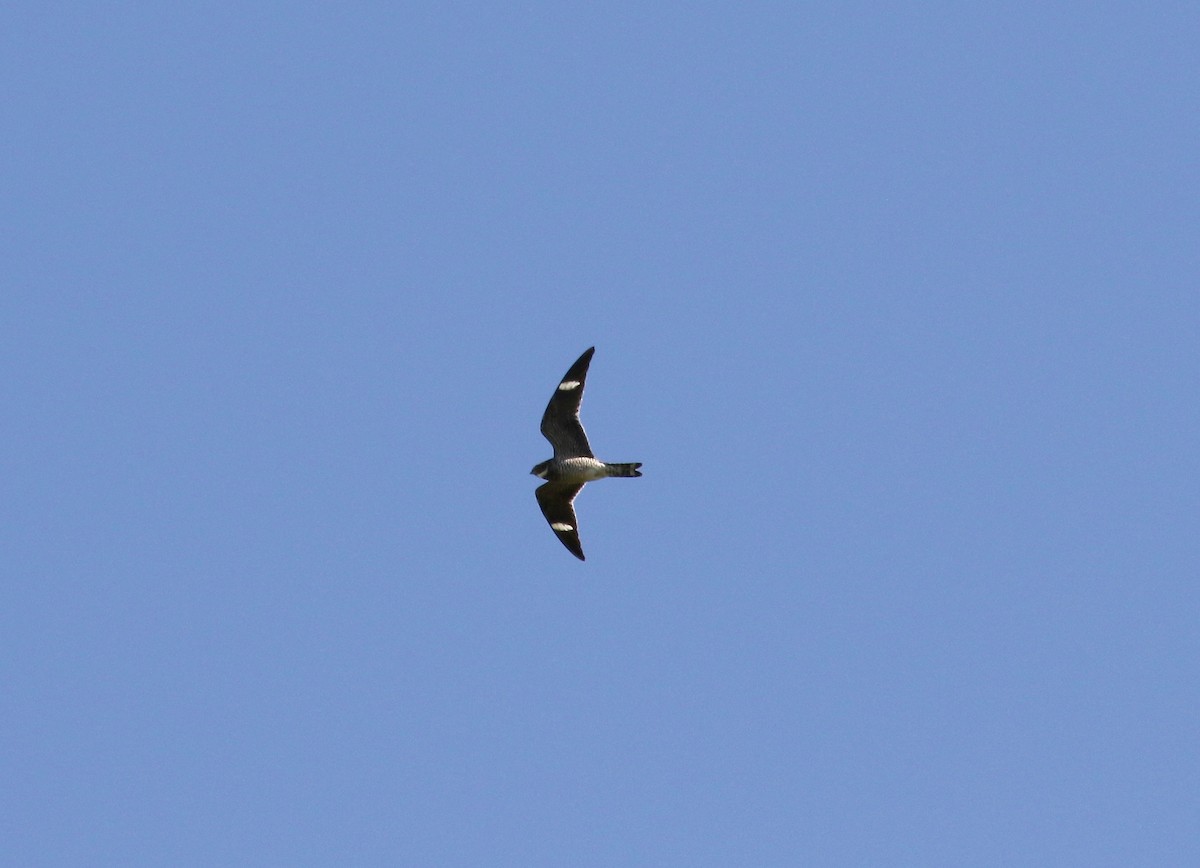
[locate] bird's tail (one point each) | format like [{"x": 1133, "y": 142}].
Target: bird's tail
[{"x": 624, "y": 469}]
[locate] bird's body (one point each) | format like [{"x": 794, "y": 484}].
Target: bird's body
[
  {"x": 582, "y": 470},
  {"x": 573, "y": 464}
]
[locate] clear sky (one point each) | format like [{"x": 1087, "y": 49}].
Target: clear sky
[{"x": 897, "y": 303}]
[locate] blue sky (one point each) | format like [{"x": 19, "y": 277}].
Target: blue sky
[{"x": 897, "y": 304}]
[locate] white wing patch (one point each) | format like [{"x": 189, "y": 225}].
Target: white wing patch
[
  {"x": 568, "y": 385},
  {"x": 561, "y": 527}
]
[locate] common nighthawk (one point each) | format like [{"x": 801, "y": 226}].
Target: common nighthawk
[{"x": 573, "y": 464}]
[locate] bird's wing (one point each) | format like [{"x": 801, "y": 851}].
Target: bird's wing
[
  {"x": 555, "y": 500},
  {"x": 560, "y": 422}
]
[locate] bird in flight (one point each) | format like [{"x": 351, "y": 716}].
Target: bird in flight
[{"x": 573, "y": 464}]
